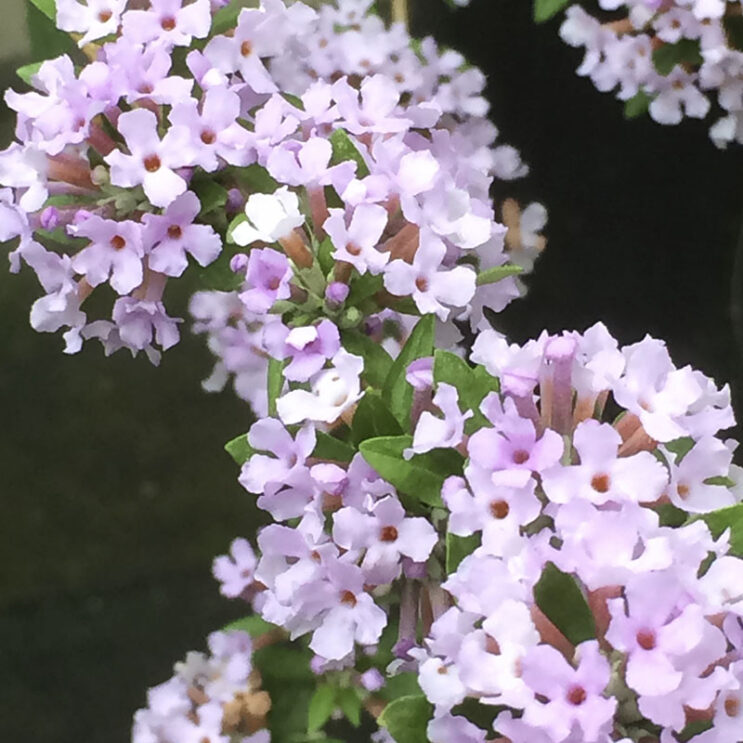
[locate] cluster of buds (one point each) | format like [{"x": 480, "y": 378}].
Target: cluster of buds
[
  {"x": 673, "y": 58},
  {"x": 363, "y": 159}
]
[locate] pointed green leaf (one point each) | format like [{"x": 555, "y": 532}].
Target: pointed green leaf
[
  {"x": 457, "y": 548},
  {"x": 377, "y": 362},
  {"x": 325, "y": 255},
  {"x": 420, "y": 477},
  {"x": 330, "y": 448},
  {"x": 559, "y": 597},
  {"x": 47, "y": 7},
  {"x": 407, "y": 719},
  {"x": 637, "y": 105},
  {"x": 212, "y": 196},
  {"x": 546, "y": 9},
  {"x": 240, "y": 449},
  {"x": 372, "y": 419},
  {"x": 253, "y": 625},
  {"x": 728, "y": 518},
  {"x": 350, "y": 703},
  {"x": 345, "y": 149},
  {"x": 685, "y": 51},
  {"x": 397, "y": 393},
  {"x": 275, "y": 383},
  {"x": 498, "y": 273},
  {"x": 322, "y": 705},
  {"x": 27, "y": 72}
]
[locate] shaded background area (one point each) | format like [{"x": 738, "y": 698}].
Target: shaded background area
[{"x": 115, "y": 491}]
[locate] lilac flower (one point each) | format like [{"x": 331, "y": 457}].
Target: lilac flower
[
  {"x": 281, "y": 480},
  {"x": 139, "y": 322},
  {"x": 236, "y": 571},
  {"x": 256, "y": 36},
  {"x": 168, "y": 21},
  {"x": 386, "y": 535},
  {"x": 94, "y": 19},
  {"x": 116, "y": 250},
  {"x": 152, "y": 161},
  {"x": 268, "y": 277},
  {"x": 174, "y": 234},
  {"x": 214, "y": 130},
  {"x": 371, "y": 110},
  {"x": 308, "y": 347},
  {"x": 574, "y": 695},
  {"x": 433, "y": 432},
  {"x": 309, "y": 165},
  {"x": 602, "y": 476},
  {"x": 358, "y": 243},
  {"x": 430, "y": 287},
  {"x": 350, "y": 614}
]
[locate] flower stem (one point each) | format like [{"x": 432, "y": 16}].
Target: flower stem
[{"x": 400, "y": 13}]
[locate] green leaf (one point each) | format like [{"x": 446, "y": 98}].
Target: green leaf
[
  {"x": 284, "y": 663},
  {"x": 212, "y": 196},
  {"x": 497, "y": 273},
  {"x": 397, "y": 393},
  {"x": 350, "y": 703},
  {"x": 473, "y": 384},
  {"x": 240, "y": 449},
  {"x": 421, "y": 477},
  {"x": 218, "y": 275},
  {"x": 322, "y": 705},
  {"x": 325, "y": 255},
  {"x": 669, "y": 515},
  {"x": 47, "y": 41},
  {"x": 236, "y": 222},
  {"x": 344, "y": 149},
  {"x": 558, "y": 596},
  {"x": 457, "y": 548},
  {"x": 407, "y": 719},
  {"x": 253, "y": 179},
  {"x": 373, "y": 419},
  {"x": 226, "y": 18},
  {"x": 377, "y": 362},
  {"x": 733, "y": 25},
  {"x": 637, "y": 105},
  {"x": 253, "y": 625},
  {"x": 364, "y": 287},
  {"x": 275, "y": 384},
  {"x": 27, "y": 72},
  {"x": 47, "y": 7},
  {"x": 680, "y": 447},
  {"x": 728, "y": 518},
  {"x": 546, "y": 9},
  {"x": 685, "y": 51},
  {"x": 330, "y": 448},
  {"x": 401, "y": 685}
]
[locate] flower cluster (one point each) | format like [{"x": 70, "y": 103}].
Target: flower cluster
[
  {"x": 672, "y": 58},
  {"x": 215, "y": 698},
  {"x": 354, "y": 164},
  {"x": 536, "y": 523}
]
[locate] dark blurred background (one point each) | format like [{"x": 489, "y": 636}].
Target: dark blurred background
[{"x": 116, "y": 493}]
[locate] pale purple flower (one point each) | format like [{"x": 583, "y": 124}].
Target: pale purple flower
[
  {"x": 386, "y": 535},
  {"x": 373, "y": 109},
  {"x": 430, "y": 285},
  {"x": 602, "y": 476},
  {"x": 116, "y": 250},
  {"x": 574, "y": 695},
  {"x": 174, "y": 234},
  {"x": 308, "y": 164},
  {"x": 168, "y": 21},
  {"x": 433, "y": 432},
  {"x": 94, "y": 19},
  {"x": 152, "y": 162},
  {"x": 236, "y": 571},
  {"x": 268, "y": 276},
  {"x": 140, "y": 322},
  {"x": 308, "y": 347},
  {"x": 282, "y": 480},
  {"x": 357, "y": 242},
  {"x": 214, "y": 130}
]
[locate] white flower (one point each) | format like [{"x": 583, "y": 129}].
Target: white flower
[{"x": 270, "y": 217}]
